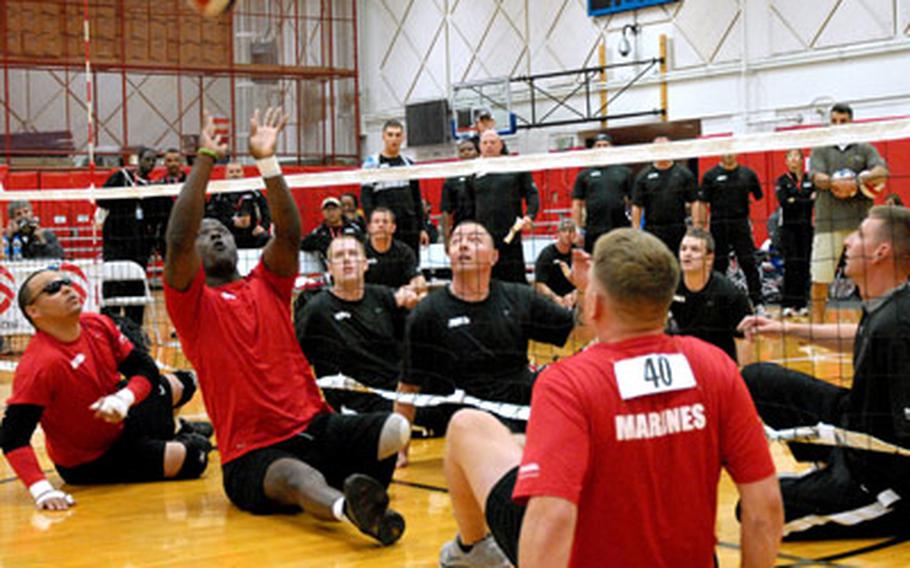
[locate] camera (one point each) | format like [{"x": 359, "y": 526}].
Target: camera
[{"x": 26, "y": 225}]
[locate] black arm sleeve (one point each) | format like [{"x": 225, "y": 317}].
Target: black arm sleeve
[
  {"x": 418, "y": 201},
  {"x": 140, "y": 364},
  {"x": 549, "y": 322},
  {"x": 579, "y": 190},
  {"x": 756, "y": 186},
  {"x": 18, "y": 426}
]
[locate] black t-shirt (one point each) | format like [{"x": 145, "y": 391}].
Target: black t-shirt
[
  {"x": 663, "y": 194},
  {"x": 796, "y": 198},
  {"x": 126, "y": 226},
  {"x": 728, "y": 191},
  {"x": 712, "y": 313},
  {"x": 604, "y": 191},
  {"x": 362, "y": 339},
  {"x": 547, "y": 270},
  {"x": 393, "y": 268},
  {"x": 481, "y": 347},
  {"x": 321, "y": 237},
  {"x": 879, "y": 400},
  {"x": 458, "y": 198},
  {"x": 497, "y": 200},
  {"x": 401, "y": 197}
]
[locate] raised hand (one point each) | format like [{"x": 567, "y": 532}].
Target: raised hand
[
  {"x": 210, "y": 139},
  {"x": 264, "y": 132},
  {"x": 581, "y": 266}
]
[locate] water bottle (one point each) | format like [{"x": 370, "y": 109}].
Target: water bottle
[{"x": 16, "y": 252}]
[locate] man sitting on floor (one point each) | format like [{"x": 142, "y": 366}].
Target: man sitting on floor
[
  {"x": 97, "y": 429},
  {"x": 707, "y": 304},
  {"x": 625, "y": 442},
  {"x": 282, "y": 449},
  {"x": 858, "y": 493}
]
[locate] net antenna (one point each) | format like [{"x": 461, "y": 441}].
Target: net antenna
[{"x": 473, "y": 99}]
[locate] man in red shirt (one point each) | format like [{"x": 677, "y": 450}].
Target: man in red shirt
[
  {"x": 96, "y": 429},
  {"x": 625, "y": 443},
  {"x": 281, "y": 446}
]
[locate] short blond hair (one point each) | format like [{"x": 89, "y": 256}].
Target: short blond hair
[{"x": 637, "y": 271}]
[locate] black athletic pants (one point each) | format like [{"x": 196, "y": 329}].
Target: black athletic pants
[
  {"x": 671, "y": 235},
  {"x": 796, "y": 242},
  {"x": 736, "y": 235},
  {"x": 138, "y": 455},
  {"x": 511, "y": 264},
  {"x": 828, "y": 502}
]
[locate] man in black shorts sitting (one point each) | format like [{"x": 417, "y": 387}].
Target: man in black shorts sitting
[
  {"x": 98, "y": 427},
  {"x": 281, "y": 446}
]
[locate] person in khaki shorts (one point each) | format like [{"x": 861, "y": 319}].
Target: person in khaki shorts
[{"x": 846, "y": 178}]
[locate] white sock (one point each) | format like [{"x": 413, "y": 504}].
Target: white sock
[{"x": 338, "y": 509}]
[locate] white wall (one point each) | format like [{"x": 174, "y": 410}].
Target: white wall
[{"x": 800, "y": 55}]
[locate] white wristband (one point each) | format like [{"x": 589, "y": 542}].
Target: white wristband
[
  {"x": 269, "y": 167},
  {"x": 39, "y": 488}
]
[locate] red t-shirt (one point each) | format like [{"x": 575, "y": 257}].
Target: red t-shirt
[
  {"x": 67, "y": 378},
  {"x": 256, "y": 383},
  {"x": 635, "y": 434}
]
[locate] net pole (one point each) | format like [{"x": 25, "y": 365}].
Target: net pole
[{"x": 89, "y": 116}]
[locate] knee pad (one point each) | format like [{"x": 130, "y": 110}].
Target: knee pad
[
  {"x": 188, "y": 380},
  {"x": 197, "y": 455},
  {"x": 395, "y": 434}
]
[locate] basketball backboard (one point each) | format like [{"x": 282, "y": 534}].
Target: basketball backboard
[{"x": 469, "y": 100}]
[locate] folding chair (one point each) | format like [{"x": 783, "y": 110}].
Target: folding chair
[{"x": 129, "y": 271}]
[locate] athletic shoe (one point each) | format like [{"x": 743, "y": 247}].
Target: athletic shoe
[
  {"x": 484, "y": 553},
  {"x": 204, "y": 429},
  {"x": 788, "y": 312},
  {"x": 366, "y": 504}
]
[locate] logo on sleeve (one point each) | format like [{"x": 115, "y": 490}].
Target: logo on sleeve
[
  {"x": 529, "y": 470},
  {"x": 228, "y": 296},
  {"x": 77, "y": 360}
]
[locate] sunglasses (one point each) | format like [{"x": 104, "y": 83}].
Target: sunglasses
[{"x": 52, "y": 288}]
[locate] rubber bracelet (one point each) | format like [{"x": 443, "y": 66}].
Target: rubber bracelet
[
  {"x": 206, "y": 152},
  {"x": 269, "y": 167}
]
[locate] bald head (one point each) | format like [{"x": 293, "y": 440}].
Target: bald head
[{"x": 490, "y": 144}]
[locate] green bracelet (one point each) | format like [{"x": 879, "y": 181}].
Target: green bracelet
[{"x": 210, "y": 153}]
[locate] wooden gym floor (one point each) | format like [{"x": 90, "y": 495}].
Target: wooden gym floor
[{"x": 192, "y": 523}]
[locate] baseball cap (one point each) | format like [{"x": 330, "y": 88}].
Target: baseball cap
[
  {"x": 483, "y": 113},
  {"x": 330, "y": 202},
  {"x": 566, "y": 224}
]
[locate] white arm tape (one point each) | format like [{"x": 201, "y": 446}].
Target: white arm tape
[
  {"x": 118, "y": 403},
  {"x": 42, "y": 491},
  {"x": 269, "y": 167}
]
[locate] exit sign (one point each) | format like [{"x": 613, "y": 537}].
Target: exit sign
[{"x": 602, "y": 7}]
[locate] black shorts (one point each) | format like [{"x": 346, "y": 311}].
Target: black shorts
[
  {"x": 138, "y": 455},
  {"x": 334, "y": 444},
  {"x": 431, "y": 421},
  {"x": 504, "y": 516}
]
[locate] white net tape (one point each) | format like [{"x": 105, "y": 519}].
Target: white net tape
[{"x": 682, "y": 149}]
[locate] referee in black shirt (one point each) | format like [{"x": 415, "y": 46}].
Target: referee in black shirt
[
  {"x": 498, "y": 207},
  {"x": 660, "y": 196},
  {"x": 600, "y": 197},
  {"x": 725, "y": 189}
]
